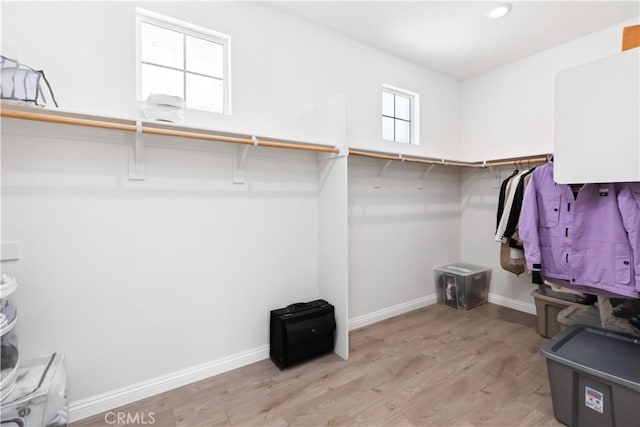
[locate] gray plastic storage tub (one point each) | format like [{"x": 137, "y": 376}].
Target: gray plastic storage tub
[
  {"x": 547, "y": 310},
  {"x": 586, "y": 315},
  {"x": 594, "y": 377},
  {"x": 571, "y": 297}
]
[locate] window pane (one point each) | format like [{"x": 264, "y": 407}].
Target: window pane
[
  {"x": 204, "y": 57},
  {"x": 403, "y": 131},
  {"x": 205, "y": 93},
  {"x": 387, "y": 128},
  {"x": 403, "y": 105},
  {"x": 387, "y": 104},
  {"x": 161, "y": 46},
  {"x": 161, "y": 80}
]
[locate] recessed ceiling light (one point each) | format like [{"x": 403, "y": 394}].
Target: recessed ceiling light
[{"x": 499, "y": 11}]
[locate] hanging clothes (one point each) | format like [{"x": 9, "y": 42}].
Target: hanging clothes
[
  {"x": 511, "y": 187},
  {"x": 513, "y": 219},
  {"x": 509, "y": 205},
  {"x": 590, "y": 239},
  {"x": 502, "y": 196},
  {"x": 629, "y": 200}
]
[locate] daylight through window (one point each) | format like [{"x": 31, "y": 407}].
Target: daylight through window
[
  {"x": 177, "y": 58},
  {"x": 398, "y": 113}
]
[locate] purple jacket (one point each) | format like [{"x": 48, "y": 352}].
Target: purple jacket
[{"x": 591, "y": 240}]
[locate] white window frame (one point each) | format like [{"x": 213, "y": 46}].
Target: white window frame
[
  {"x": 414, "y": 107},
  {"x": 153, "y": 18}
]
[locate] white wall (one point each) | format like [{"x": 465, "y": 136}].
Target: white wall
[
  {"x": 135, "y": 280},
  {"x": 509, "y": 112},
  {"x": 281, "y": 68},
  {"x": 398, "y": 233}
]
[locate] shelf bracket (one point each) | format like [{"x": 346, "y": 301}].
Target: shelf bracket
[
  {"x": 496, "y": 174},
  {"x": 494, "y": 171},
  {"x": 239, "y": 158},
  {"x": 377, "y": 182},
  {"x": 136, "y": 155},
  {"x": 332, "y": 157},
  {"x": 424, "y": 173}
]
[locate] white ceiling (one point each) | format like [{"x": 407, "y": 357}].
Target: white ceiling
[{"x": 455, "y": 38}]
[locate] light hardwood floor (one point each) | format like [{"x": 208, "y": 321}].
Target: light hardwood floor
[{"x": 432, "y": 367}]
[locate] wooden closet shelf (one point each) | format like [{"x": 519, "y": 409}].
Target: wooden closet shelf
[
  {"x": 61, "y": 117},
  {"x": 513, "y": 161},
  {"x": 131, "y": 126}
]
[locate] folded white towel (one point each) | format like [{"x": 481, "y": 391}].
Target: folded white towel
[{"x": 162, "y": 99}]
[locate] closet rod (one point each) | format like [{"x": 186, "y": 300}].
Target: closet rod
[
  {"x": 375, "y": 155},
  {"x": 103, "y": 124},
  {"x": 443, "y": 162},
  {"x": 50, "y": 118},
  {"x": 513, "y": 161}
]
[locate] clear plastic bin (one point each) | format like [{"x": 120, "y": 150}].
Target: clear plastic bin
[
  {"x": 8, "y": 311},
  {"x": 39, "y": 398},
  {"x": 461, "y": 285},
  {"x": 9, "y": 363},
  {"x": 8, "y": 337}
]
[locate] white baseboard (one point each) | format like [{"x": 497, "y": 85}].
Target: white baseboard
[
  {"x": 106, "y": 401},
  {"x": 512, "y": 303},
  {"x": 395, "y": 310}
]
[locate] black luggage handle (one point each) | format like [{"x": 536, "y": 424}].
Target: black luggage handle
[{"x": 297, "y": 306}]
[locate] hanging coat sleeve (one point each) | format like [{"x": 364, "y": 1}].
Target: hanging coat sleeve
[
  {"x": 528, "y": 227},
  {"x": 629, "y": 205}
]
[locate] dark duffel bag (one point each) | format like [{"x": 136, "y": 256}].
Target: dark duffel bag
[{"x": 301, "y": 331}]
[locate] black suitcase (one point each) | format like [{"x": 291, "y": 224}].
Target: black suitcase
[{"x": 301, "y": 331}]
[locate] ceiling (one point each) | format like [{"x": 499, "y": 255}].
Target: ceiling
[{"x": 455, "y": 38}]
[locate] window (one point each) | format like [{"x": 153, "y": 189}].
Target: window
[
  {"x": 181, "y": 59},
  {"x": 399, "y": 110}
]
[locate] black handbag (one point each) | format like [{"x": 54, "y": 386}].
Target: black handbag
[{"x": 301, "y": 331}]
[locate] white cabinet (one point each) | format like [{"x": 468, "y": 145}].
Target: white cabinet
[{"x": 597, "y": 124}]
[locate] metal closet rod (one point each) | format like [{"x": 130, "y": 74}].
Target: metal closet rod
[
  {"x": 514, "y": 161},
  {"x": 104, "y": 124}
]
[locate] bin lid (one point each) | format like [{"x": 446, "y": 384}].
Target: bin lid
[
  {"x": 551, "y": 300},
  {"x": 463, "y": 268},
  {"x": 604, "y": 354}
]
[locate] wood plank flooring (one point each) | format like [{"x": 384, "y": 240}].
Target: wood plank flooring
[{"x": 431, "y": 367}]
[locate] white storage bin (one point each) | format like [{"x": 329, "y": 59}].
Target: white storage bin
[{"x": 461, "y": 285}]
